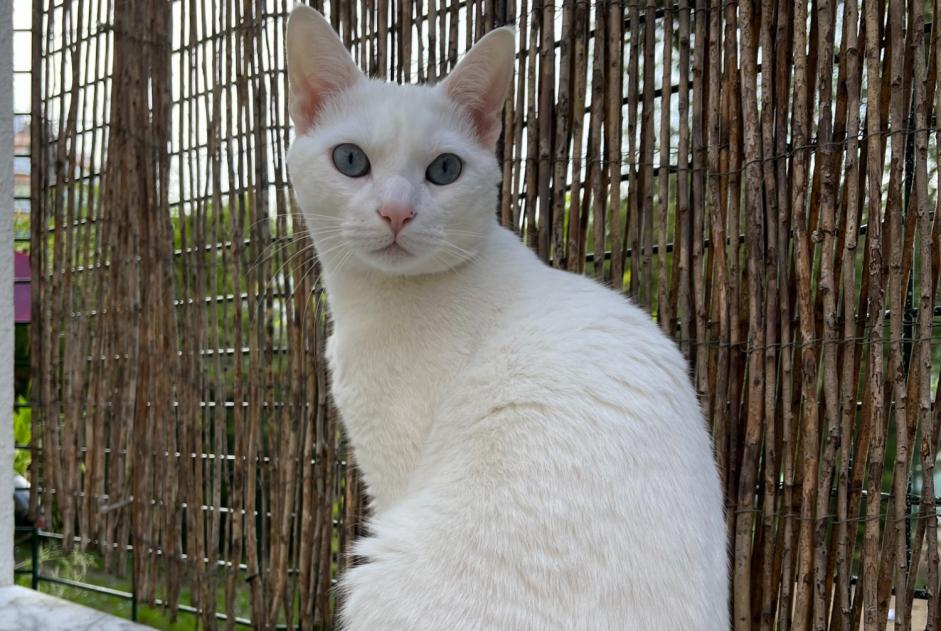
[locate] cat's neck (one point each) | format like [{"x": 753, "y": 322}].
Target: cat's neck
[{"x": 461, "y": 293}]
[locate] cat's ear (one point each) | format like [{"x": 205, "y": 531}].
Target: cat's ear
[
  {"x": 319, "y": 66},
  {"x": 481, "y": 80}
]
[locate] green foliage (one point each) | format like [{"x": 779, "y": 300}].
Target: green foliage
[
  {"x": 21, "y": 231},
  {"x": 22, "y": 434},
  {"x": 57, "y": 563}
]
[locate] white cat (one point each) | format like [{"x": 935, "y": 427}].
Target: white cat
[{"x": 532, "y": 447}]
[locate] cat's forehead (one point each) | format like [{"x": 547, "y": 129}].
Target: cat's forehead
[{"x": 396, "y": 118}]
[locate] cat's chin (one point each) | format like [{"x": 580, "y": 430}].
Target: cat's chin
[
  {"x": 393, "y": 251},
  {"x": 394, "y": 259}
]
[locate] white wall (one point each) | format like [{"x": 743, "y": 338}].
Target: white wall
[{"x": 6, "y": 292}]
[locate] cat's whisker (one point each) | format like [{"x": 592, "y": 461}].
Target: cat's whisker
[
  {"x": 314, "y": 285},
  {"x": 468, "y": 233},
  {"x": 291, "y": 258},
  {"x": 442, "y": 263},
  {"x": 463, "y": 256},
  {"x": 255, "y": 224},
  {"x": 456, "y": 247},
  {"x": 315, "y": 258},
  {"x": 325, "y": 217},
  {"x": 320, "y": 255},
  {"x": 326, "y": 230},
  {"x": 346, "y": 258},
  {"x": 328, "y": 233},
  {"x": 312, "y": 292},
  {"x": 279, "y": 250},
  {"x": 275, "y": 247},
  {"x": 310, "y": 266}
]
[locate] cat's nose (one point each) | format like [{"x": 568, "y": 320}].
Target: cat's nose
[{"x": 396, "y": 215}]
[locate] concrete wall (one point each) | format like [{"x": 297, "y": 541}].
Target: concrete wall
[{"x": 6, "y": 292}]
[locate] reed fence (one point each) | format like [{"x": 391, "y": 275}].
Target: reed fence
[{"x": 762, "y": 176}]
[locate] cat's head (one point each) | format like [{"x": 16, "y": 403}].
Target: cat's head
[{"x": 398, "y": 178}]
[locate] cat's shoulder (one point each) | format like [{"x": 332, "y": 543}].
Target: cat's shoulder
[{"x": 568, "y": 311}]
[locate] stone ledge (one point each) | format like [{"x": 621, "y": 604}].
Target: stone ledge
[{"x": 28, "y": 610}]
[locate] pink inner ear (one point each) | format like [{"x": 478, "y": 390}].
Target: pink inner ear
[
  {"x": 307, "y": 101},
  {"x": 305, "y": 105},
  {"x": 483, "y": 112},
  {"x": 485, "y": 125}
]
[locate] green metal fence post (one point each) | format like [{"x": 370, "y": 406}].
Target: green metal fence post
[{"x": 34, "y": 552}]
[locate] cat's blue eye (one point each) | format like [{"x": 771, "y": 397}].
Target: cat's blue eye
[
  {"x": 444, "y": 169},
  {"x": 350, "y": 160}
]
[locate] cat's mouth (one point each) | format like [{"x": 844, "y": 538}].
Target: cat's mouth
[{"x": 393, "y": 249}]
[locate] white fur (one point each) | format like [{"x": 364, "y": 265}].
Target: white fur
[{"x": 531, "y": 444}]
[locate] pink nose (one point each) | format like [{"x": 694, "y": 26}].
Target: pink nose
[{"x": 396, "y": 215}]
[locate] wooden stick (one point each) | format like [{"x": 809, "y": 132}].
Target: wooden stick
[
  {"x": 596, "y": 169},
  {"x": 828, "y": 288},
  {"x": 898, "y": 111},
  {"x": 518, "y": 123},
  {"x": 665, "y": 313},
  {"x": 754, "y": 245},
  {"x": 532, "y": 134},
  {"x": 848, "y": 368},
  {"x": 544, "y": 127},
  {"x": 803, "y": 257},
  {"x": 634, "y": 215},
  {"x": 682, "y": 256},
  {"x": 772, "y": 461},
  {"x": 563, "y": 121},
  {"x": 578, "y": 218},
  {"x": 870, "y": 558},
  {"x": 701, "y": 336}
]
